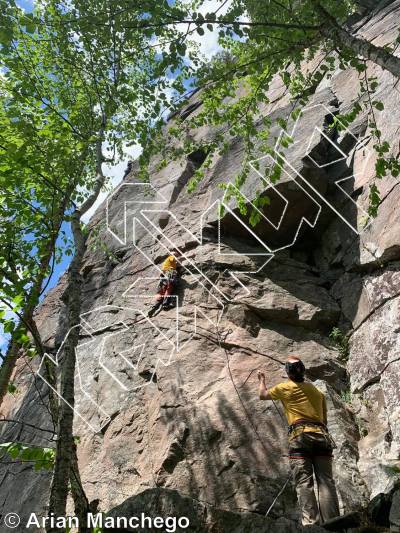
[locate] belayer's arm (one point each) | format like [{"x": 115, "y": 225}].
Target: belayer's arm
[{"x": 262, "y": 389}]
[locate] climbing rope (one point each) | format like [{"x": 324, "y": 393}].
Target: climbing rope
[
  {"x": 251, "y": 372},
  {"x": 236, "y": 389},
  {"x": 221, "y": 343},
  {"x": 277, "y": 496},
  {"x": 247, "y": 379},
  {"x": 247, "y": 413}
]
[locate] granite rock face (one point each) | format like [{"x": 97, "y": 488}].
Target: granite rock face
[
  {"x": 169, "y": 503},
  {"x": 166, "y": 409}
]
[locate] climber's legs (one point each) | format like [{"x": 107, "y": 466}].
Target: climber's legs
[
  {"x": 311, "y": 453},
  {"x": 166, "y": 288},
  {"x": 327, "y": 496},
  {"x": 155, "y": 308},
  {"x": 159, "y": 297},
  {"x": 167, "y": 295},
  {"x": 169, "y": 301},
  {"x": 302, "y": 468}
]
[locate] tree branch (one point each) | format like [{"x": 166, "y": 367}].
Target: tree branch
[
  {"x": 362, "y": 47},
  {"x": 99, "y": 171}
]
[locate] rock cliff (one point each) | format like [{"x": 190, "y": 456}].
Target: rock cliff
[{"x": 167, "y": 412}]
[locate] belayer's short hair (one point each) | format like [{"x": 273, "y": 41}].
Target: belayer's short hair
[{"x": 295, "y": 369}]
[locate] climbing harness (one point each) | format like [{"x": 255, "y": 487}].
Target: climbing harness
[
  {"x": 303, "y": 422},
  {"x": 299, "y": 369},
  {"x": 166, "y": 285}
]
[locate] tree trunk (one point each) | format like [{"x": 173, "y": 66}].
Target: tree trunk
[
  {"x": 12, "y": 355},
  {"x": 27, "y": 322},
  {"x": 365, "y": 4},
  {"x": 7, "y": 367},
  {"x": 361, "y": 47},
  {"x": 65, "y": 441},
  {"x": 66, "y": 464},
  {"x": 13, "y": 349},
  {"x": 81, "y": 503}
]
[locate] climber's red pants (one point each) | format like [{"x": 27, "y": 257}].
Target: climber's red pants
[
  {"x": 167, "y": 284},
  {"x": 169, "y": 289},
  {"x": 310, "y": 455},
  {"x": 166, "y": 290}
]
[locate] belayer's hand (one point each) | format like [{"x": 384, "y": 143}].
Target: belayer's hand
[{"x": 261, "y": 376}]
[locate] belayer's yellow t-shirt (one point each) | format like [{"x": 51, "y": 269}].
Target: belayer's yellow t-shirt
[
  {"x": 169, "y": 264},
  {"x": 301, "y": 400}
]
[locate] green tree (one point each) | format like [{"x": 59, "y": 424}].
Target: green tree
[
  {"x": 278, "y": 40},
  {"x": 35, "y": 193},
  {"x": 78, "y": 77},
  {"x": 85, "y": 74}
]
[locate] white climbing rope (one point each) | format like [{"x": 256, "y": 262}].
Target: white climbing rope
[
  {"x": 277, "y": 496},
  {"x": 250, "y": 420}
]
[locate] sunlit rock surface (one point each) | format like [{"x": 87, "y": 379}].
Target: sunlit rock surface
[{"x": 168, "y": 408}]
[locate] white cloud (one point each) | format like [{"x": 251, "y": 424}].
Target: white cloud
[
  {"x": 208, "y": 43},
  {"x": 115, "y": 174}
]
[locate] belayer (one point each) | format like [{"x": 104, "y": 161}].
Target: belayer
[
  {"x": 310, "y": 445},
  {"x": 167, "y": 283}
]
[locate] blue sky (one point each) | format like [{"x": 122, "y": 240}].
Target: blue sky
[
  {"x": 27, "y": 5},
  {"x": 208, "y": 46}
]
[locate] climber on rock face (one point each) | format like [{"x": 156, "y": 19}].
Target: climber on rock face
[
  {"x": 310, "y": 445},
  {"x": 168, "y": 282}
]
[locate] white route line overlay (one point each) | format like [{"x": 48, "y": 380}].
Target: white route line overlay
[
  {"x": 279, "y": 157},
  {"x": 201, "y": 277},
  {"x": 90, "y": 332}
]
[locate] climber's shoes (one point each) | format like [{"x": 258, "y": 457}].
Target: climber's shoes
[
  {"x": 168, "y": 304},
  {"x": 158, "y": 307},
  {"x": 153, "y": 310}
]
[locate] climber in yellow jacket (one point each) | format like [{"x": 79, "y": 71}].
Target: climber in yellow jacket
[
  {"x": 310, "y": 445},
  {"x": 167, "y": 284},
  {"x": 169, "y": 264}
]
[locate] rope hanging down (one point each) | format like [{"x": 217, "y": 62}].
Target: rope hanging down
[
  {"x": 221, "y": 342},
  {"x": 277, "y": 496},
  {"x": 247, "y": 413}
]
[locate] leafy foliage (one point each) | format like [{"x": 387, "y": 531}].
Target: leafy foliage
[
  {"x": 393, "y": 471},
  {"x": 346, "y": 396},
  {"x": 302, "y": 43},
  {"x": 79, "y": 81},
  {"x": 41, "y": 458},
  {"x": 341, "y": 342},
  {"x": 97, "y": 243},
  {"x": 12, "y": 389},
  {"x": 82, "y": 78}
]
